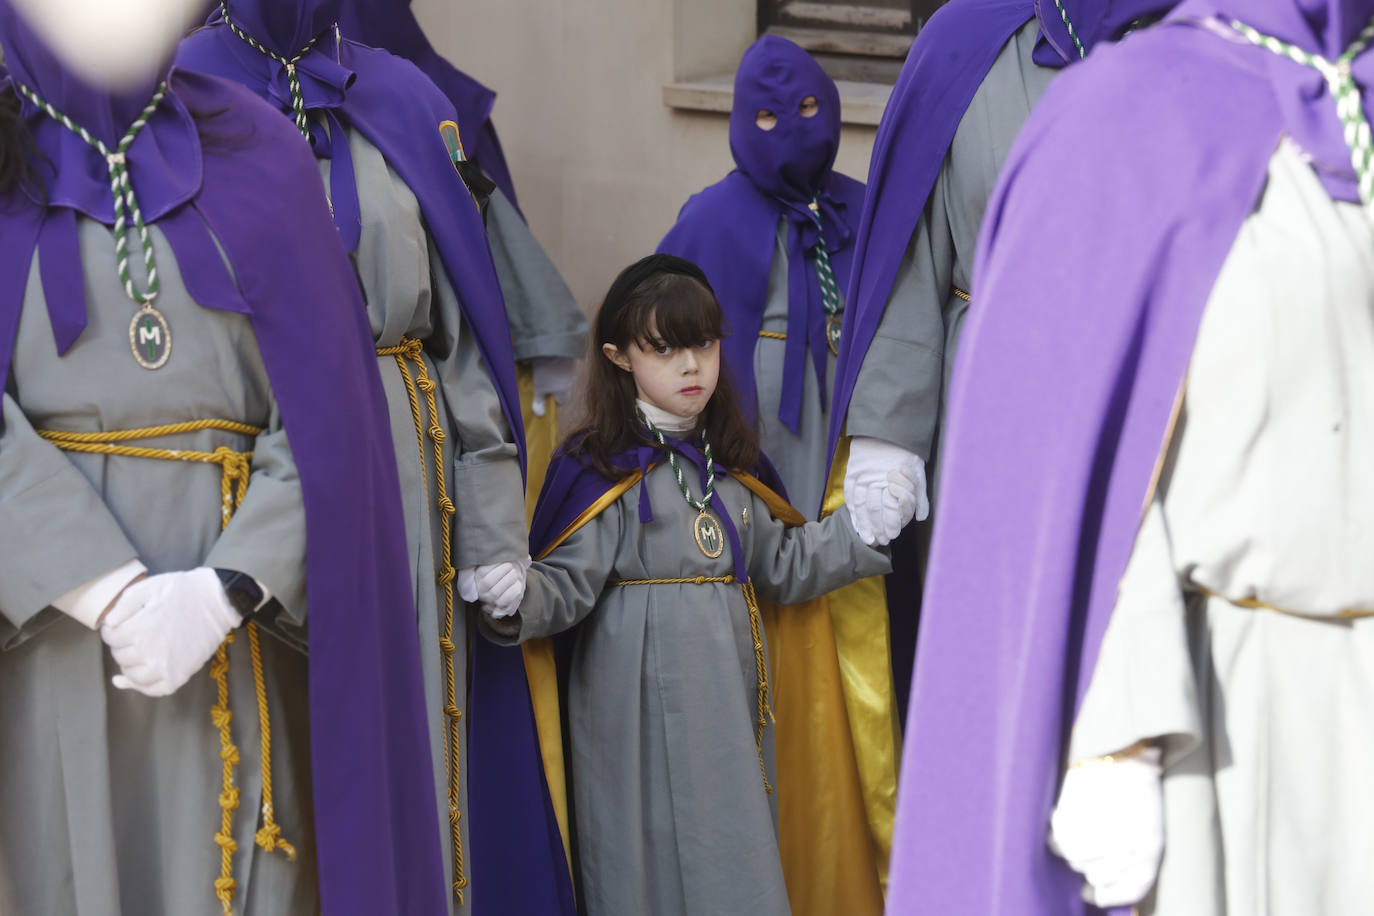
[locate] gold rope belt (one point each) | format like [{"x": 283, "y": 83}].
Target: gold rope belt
[
  {"x": 764, "y": 710},
  {"x": 960, "y": 293},
  {"x": 773, "y": 335},
  {"x": 1253, "y": 605},
  {"x": 235, "y": 471},
  {"x": 409, "y": 351}
]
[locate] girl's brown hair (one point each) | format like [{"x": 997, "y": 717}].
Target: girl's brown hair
[{"x": 661, "y": 300}]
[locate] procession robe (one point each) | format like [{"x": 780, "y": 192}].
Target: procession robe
[{"x": 670, "y": 810}]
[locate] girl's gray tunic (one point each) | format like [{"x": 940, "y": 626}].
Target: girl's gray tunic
[
  {"x": 1266, "y": 714},
  {"x": 108, "y": 798},
  {"x": 670, "y": 809},
  {"x": 409, "y": 295}
]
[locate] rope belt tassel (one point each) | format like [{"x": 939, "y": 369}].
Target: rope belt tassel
[
  {"x": 411, "y": 351},
  {"x": 235, "y": 471}
]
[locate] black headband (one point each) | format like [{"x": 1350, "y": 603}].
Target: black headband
[{"x": 634, "y": 276}]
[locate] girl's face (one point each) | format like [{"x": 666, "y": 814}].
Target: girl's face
[{"x": 679, "y": 380}]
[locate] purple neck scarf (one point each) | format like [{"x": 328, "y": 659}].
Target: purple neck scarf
[
  {"x": 951, "y": 57},
  {"x": 391, "y": 104},
  {"x": 256, "y": 202},
  {"x": 1045, "y": 483},
  {"x": 730, "y": 227},
  {"x": 390, "y": 24}
]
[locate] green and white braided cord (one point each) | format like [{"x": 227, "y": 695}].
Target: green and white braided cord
[
  {"x": 293, "y": 80},
  {"x": 1349, "y": 102},
  {"x": 125, "y": 203},
  {"x": 1068, "y": 24},
  {"x": 830, "y": 290},
  {"x": 705, "y": 501}
]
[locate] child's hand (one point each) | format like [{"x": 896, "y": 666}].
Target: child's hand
[
  {"x": 884, "y": 487},
  {"x": 501, "y": 586}
]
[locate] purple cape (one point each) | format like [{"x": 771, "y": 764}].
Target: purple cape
[
  {"x": 376, "y": 837},
  {"x": 1098, "y": 253},
  {"x": 390, "y": 25},
  {"x": 948, "y": 62},
  {"x": 729, "y": 229},
  {"x": 395, "y": 107}
]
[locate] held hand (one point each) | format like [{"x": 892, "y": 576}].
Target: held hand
[
  {"x": 1109, "y": 827},
  {"x": 553, "y": 377},
  {"x": 885, "y": 488},
  {"x": 164, "y": 629},
  {"x": 501, "y": 586}
]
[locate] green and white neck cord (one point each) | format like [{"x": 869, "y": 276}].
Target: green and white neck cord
[
  {"x": 293, "y": 80},
  {"x": 830, "y": 290},
  {"x": 1068, "y": 24},
  {"x": 126, "y": 207},
  {"x": 699, "y": 505},
  {"x": 1349, "y": 101}
]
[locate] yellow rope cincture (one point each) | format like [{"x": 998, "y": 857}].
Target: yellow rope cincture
[
  {"x": 961, "y": 294},
  {"x": 1251, "y": 604},
  {"x": 235, "y": 471},
  {"x": 773, "y": 335},
  {"x": 764, "y": 709},
  {"x": 410, "y": 350},
  {"x": 1127, "y": 753}
]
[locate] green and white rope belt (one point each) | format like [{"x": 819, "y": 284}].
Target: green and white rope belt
[
  {"x": 126, "y": 207},
  {"x": 1068, "y": 24},
  {"x": 699, "y": 505},
  {"x": 830, "y": 290},
  {"x": 1349, "y": 102},
  {"x": 293, "y": 80}
]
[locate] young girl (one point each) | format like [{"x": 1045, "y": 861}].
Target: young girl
[{"x": 656, "y": 543}]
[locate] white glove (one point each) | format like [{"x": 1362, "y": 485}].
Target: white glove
[
  {"x": 164, "y": 629},
  {"x": 1109, "y": 827},
  {"x": 501, "y": 586},
  {"x": 553, "y": 377},
  {"x": 884, "y": 487},
  {"x": 467, "y": 583}
]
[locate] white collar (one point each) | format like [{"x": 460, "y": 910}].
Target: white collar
[{"x": 668, "y": 422}]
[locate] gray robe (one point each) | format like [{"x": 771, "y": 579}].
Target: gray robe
[
  {"x": 801, "y": 458},
  {"x": 108, "y": 798},
  {"x": 408, "y": 294},
  {"x": 670, "y": 809},
  {"x": 904, "y": 379},
  {"x": 1266, "y": 716}
]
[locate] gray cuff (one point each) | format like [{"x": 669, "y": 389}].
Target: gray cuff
[
  {"x": 489, "y": 526},
  {"x": 568, "y": 344},
  {"x": 897, "y": 395}
]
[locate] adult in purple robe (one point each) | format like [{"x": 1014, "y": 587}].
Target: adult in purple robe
[{"x": 1121, "y": 586}]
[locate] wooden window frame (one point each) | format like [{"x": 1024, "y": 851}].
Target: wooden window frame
[{"x": 852, "y": 41}]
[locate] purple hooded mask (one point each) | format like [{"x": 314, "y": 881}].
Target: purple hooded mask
[
  {"x": 390, "y": 25},
  {"x": 729, "y": 229},
  {"x": 1093, "y": 288},
  {"x": 258, "y": 205}
]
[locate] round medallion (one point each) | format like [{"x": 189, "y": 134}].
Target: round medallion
[
  {"x": 150, "y": 338},
  {"x": 709, "y": 536},
  {"x": 832, "y": 333}
]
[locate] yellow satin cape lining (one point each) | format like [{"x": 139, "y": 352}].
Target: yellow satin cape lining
[{"x": 829, "y": 860}]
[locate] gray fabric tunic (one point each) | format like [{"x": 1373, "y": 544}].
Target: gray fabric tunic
[
  {"x": 108, "y": 798},
  {"x": 671, "y": 813},
  {"x": 1266, "y": 717},
  {"x": 801, "y": 458},
  {"x": 408, "y": 294},
  {"x": 545, "y": 320},
  {"x": 903, "y": 381}
]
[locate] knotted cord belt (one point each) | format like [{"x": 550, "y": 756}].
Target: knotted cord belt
[
  {"x": 408, "y": 351},
  {"x": 764, "y": 710},
  {"x": 235, "y": 468}
]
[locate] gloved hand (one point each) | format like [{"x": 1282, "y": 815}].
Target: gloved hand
[
  {"x": 1109, "y": 827},
  {"x": 164, "y": 629},
  {"x": 501, "y": 586},
  {"x": 553, "y": 377},
  {"x": 884, "y": 487}
]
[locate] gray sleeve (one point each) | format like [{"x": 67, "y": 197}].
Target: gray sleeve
[
  {"x": 798, "y": 563},
  {"x": 1143, "y": 686},
  {"x": 563, "y": 588},
  {"x": 544, "y": 317},
  {"x": 266, "y": 538},
  {"x": 55, "y": 531},
  {"x": 486, "y": 487},
  {"x": 898, "y": 390}
]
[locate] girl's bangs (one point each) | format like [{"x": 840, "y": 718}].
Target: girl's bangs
[{"x": 675, "y": 310}]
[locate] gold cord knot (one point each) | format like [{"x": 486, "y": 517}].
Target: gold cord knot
[
  {"x": 436, "y": 433},
  {"x": 446, "y": 575},
  {"x": 426, "y": 385},
  {"x": 452, "y": 711},
  {"x": 269, "y": 838},
  {"x": 446, "y": 645}
]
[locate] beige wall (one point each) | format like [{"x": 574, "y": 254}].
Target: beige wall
[{"x": 601, "y": 165}]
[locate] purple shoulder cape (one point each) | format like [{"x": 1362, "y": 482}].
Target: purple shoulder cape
[
  {"x": 377, "y": 843},
  {"x": 1098, "y": 253},
  {"x": 399, "y": 110},
  {"x": 729, "y": 230}
]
